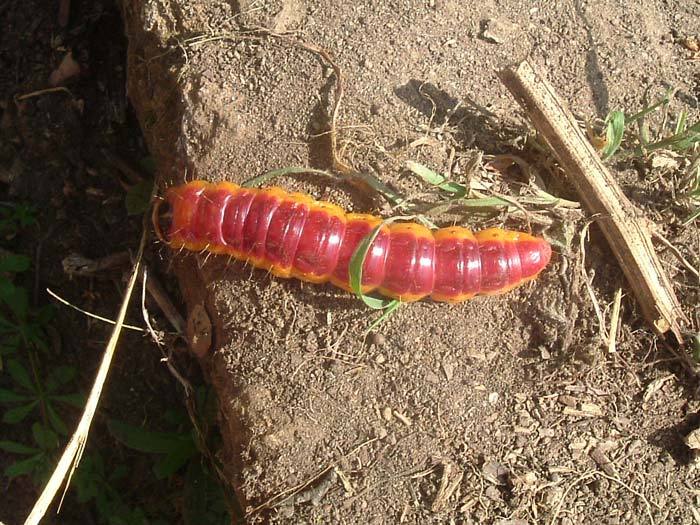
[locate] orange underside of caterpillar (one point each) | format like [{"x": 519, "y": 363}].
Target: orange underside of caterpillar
[{"x": 293, "y": 235}]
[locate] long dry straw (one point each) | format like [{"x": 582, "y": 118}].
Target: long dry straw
[{"x": 74, "y": 450}]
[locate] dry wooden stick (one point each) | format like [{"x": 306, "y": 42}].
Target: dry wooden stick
[{"x": 628, "y": 236}]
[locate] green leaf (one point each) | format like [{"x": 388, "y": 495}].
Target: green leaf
[
  {"x": 75, "y": 400},
  {"x": 145, "y": 440},
  {"x": 35, "y": 335},
  {"x": 20, "y": 468},
  {"x": 10, "y": 345},
  {"x": 204, "y": 502},
  {"x": 17, "y": 414},
  {"x": 25, "y": 215},
  {"x": 14, "y": 263},
  {"x": 118, "y": 473},
  {"x": 373, "y": 182},
  {"x": 55, "y": 420},
  {"x": 8, "y": 396},
  {"x": 175, "y": 460},
  {"x": 17, "y": 448},
  {"x": 615, "y": 129},
  {"x": 138, "y": 198},
  {"x": 45, "y": 314},
  {"x": 436, "y": 179},
  {"x": 46, "y": 438},
  {"x": 148, "y": 164},
  {"x": 695, "y": 345},
  {"x": 19, "y": 374},
  {"x": 680, "y": 125},
  {"x": 16, "y": 298},
  {"x": 357, "y": 262},
  {"x": 195, "y": 492},
  {"x": 59, "y": 376},
  {"x": 387, "y": 312}
]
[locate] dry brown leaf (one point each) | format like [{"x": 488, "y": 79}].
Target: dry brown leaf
[{"x": 67, "y": 69}]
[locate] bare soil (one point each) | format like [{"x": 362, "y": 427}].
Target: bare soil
[{"x": 501, "y": 410}]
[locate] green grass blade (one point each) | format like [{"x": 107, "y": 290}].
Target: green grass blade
[
  {"x": 694, "y": 215},
  {"x": 615, "y": 129},
  {"x": 436, "y": 179},
  {"x": 357, "y": 261},
  {"x": 258, "y": 181},
  {"x": 355, "y": 271},
  {"x": 390, "y": 195},
  {"x": 680, "y": 125},
  {"x": 387, "y": 312},
  {"x": 680, "y": 141},
  {"x": 630, "y": 119}
]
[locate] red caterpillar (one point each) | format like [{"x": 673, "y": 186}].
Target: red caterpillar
[{"x": 293, "y": 235}]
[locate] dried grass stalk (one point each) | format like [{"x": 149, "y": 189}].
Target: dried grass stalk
[{"x": 622, "y": 223}]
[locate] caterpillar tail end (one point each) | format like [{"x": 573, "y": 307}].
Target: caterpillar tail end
[{"x": 535, "y": 256}]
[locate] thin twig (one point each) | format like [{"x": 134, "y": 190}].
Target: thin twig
[
  {"x": 43, "y": 92},
  {"x": 156, "y": 290},
  {"x": 614, "y": 322},
  {"x": 90, "y": 314},
  {"x": 190, "y": 403},
  {"x": 592, "y": 474},
  {"x": 589, "y": 284},
  {"x": 675, "y": 251},
  {"x": 296, "y": 488}
]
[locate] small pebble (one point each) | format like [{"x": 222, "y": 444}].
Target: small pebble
[
  {"x": 386, "y": 413},
  {"x": 377, "y": 339}
]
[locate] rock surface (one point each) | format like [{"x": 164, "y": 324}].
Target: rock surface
[{"x": 303, "y": 392}]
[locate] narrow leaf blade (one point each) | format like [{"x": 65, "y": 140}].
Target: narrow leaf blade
[
  {"x": 13, "y": 447},
  {"x": 17, "y": 414},
  {"x": 145, "y": 440},
  {"x": 615, "y": 129}
]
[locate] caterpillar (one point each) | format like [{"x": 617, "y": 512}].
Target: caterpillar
[{"x": 293, "y": 235}]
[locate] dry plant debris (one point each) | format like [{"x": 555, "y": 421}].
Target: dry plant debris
[{"x": 629, "y": 237}]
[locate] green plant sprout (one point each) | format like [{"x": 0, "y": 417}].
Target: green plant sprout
[
  {"x": 180, "y": 451},
  {"x": 15, "y": 217},
  {"x": 682, "y": 139},
  {"x": 37, "y": 393},
  {"x": 40, "y": 458}
]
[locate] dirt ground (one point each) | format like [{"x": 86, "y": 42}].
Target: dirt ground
[{"x": 503, "y": 410}]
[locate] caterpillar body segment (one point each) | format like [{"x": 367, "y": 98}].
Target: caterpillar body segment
[{"x": 294, "y": 236}]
